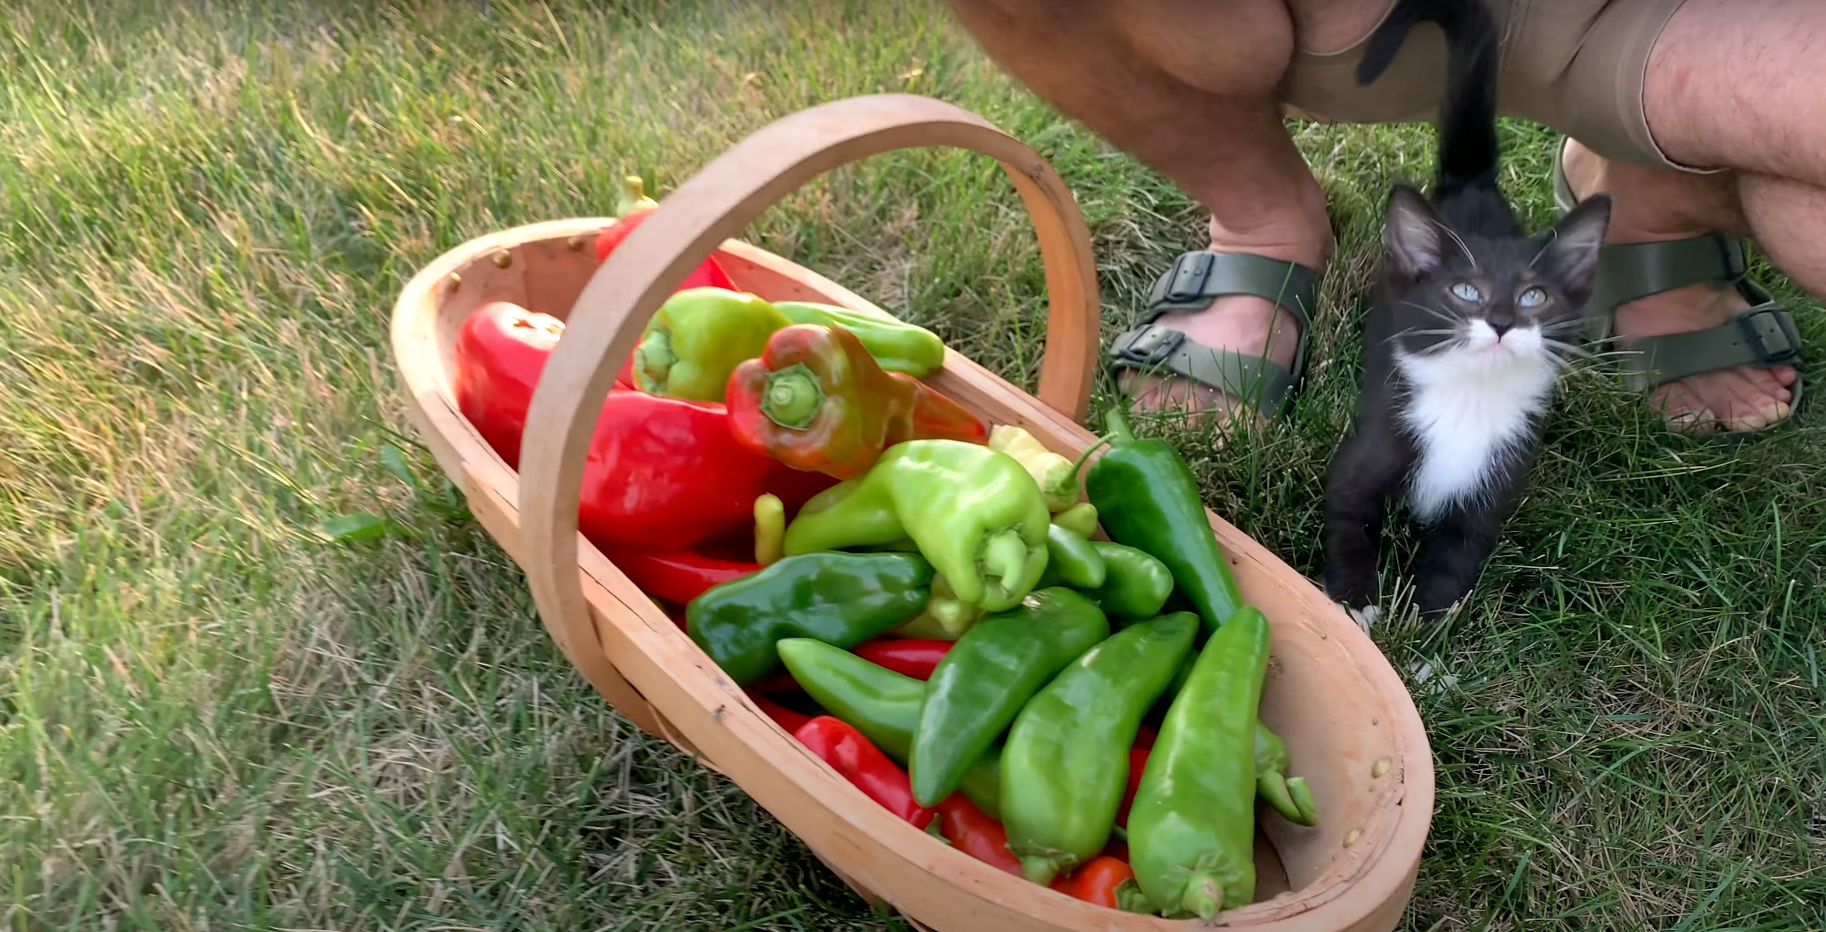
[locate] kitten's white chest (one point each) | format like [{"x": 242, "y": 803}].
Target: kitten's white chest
[{"x": 1467, "y": 413}]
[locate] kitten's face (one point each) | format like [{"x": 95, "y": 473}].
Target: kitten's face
[{"x": 1495, "y": 301}]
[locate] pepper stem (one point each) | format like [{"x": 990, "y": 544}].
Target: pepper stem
[
  {"x": 1130, "y": 899},
  {"x": 653, "y": 359},
  {"x": 792, "y": 397},
  {"x": 1204, "y": 896},
  {"x": 1004, "y": 556},
  {"x": 1042, "y": 868}
]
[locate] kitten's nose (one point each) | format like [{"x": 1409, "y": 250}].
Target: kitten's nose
[{"x": 1500, "y": 328}]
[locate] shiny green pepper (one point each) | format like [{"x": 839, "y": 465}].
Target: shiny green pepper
[
  {"x": 974, "y": 512},
  {"x": 839, "y": 598},
  {"x": 898, "y": 346},
  {"x": 698, "y": 337}
]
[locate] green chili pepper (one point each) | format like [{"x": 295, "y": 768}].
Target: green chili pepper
[
  {"x": 880, "y": 703},
  {"x": 839, "y": 598},
  {"x": 896, "y": 345},
  {"x": 1065, "y": 765},
  {"x": 1135, "y": 585},
  {"x": 946, "y": 617},
  {"x": 1147, "y": 498},
  {"x": 1192, "y": 823},
  {"x": 1289, "y": 796},
  {"x": 698, "y": 337},
  {"x": 985, "y": 679},
  {"x": 974, "y": 512},
  {"x": 1080, "y": 519},
  {"x": 1071, "y": 561}
]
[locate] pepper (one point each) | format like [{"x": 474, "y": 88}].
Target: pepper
[
  {"x": 769, "y": 528},
  {"x": 1191, "y": 829},
  {"x": 633, "y": 207},
  {"x": 973, "y": 832},
  {"x": 989, "y": 675},
  {"x": 1071, "y": 561},
  {"x": 1147, "y": 498},
  {"x": 1289, "y": 796},
  {"x": 500, "y": 350},
  {"x": 974, "y": 512},
  {"x": 1105, "y": 881},
  {"x": 1080, "y": 519},
  {"x": 839, "y": 598},
  {"x": 1135, "y": 585},
  {"x": 815, "y": 400},
  {"x": 881, "y": 704},
  {"x": 1056, "y": 475},
  {"x": 698, "y": 337},
  {"x": 946, "y": 616},
  {"x": 864, "y": 765},
  {"x": 788, "y": 719},
  {"x": 896, "y": 345},
  {"x": 678, "y": 577},
  {"x": 1065, "y": 764},
  {"x": 914, "y": 657},
  {"x": 1138, "y": 762}
]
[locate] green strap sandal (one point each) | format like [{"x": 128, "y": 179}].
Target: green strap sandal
[
  {"x": 1762, "y": 336},
  {"x": 1193, "y": 282}
]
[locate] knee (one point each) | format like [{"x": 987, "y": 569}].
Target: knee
[{"x": 1233, "y": 49}]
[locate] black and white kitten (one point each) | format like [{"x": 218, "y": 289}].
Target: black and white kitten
[{"x": 1464, "y": 343}]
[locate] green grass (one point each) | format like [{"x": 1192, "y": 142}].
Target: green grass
[{"x": 211, "y": 718}]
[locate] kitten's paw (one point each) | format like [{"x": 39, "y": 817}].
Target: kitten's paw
[{"x": 1365, "y": 616}]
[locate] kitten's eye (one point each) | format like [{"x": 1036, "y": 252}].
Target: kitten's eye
[
  {"x": 1533, "y": 297},
  {"x": 1465, "y": 291}
]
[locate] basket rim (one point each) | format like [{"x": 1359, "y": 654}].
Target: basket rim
[{"x": 1322, "y": 906}]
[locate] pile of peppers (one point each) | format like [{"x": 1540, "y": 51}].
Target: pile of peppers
[{"x": 1043, "y": 663}]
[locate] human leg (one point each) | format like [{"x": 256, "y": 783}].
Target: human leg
[{"x": 1190, "y": 89}]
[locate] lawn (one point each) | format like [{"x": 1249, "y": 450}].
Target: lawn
[{"x": 212, "y": 718}]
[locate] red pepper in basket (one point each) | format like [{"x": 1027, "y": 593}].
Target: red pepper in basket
[
  {"x": 865, "y": 765},
  {"x": 787, "y": 718},
  {"x": 1107, "y": 882},
  {"x": 914, "y": 657},
  {"x": 1138, "y": 761},
  {"x": 632, "y": 208},
  {"x": 817, "y": 401},
  {"x": 974, "y": 833},
  {"x": 500, "y": 350},
  {"x": 678, "y": 577}
]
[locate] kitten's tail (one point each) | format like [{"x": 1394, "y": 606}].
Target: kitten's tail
[{"x": 1467, "y": 114}]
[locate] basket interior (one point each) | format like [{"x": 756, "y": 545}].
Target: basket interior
[{"x": 1341, "y": 734}]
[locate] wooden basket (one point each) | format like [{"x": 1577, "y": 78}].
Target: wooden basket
[{"x": 1349, "y": 724}]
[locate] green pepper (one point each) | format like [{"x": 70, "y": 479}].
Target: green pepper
[
  {"x": 1056, "y": 475},
  {"x": 1071, "y": 561},
  {"x": 974, "y": 512},
  {"x": 946, "y": 617},
  {"x": 1289, "y": 796},
  {"x": 1192, "y": 823},
  {"x": 1135, "y": 585},
  {"x": 1080, "y": 519},
  {"x": 984, "y": 680},
  {"x": 839, "y": 598},
  {"x": 880, "y": 703},
  {"x": 698, "y": 337},
  {"x": 898, "y": 346},
  {"x": 1065, "y": 765},
  {"x": 1147, "y": 498}
]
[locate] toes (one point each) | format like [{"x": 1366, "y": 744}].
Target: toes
[{"x": 1731, "y": 399}]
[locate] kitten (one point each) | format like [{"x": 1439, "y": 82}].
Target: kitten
[{"x": 1464, "y": 343}]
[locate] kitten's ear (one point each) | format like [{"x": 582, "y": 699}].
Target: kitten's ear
[
  {"x": 1570, "y": 256},
  {"x": 1412, "y": 234}
]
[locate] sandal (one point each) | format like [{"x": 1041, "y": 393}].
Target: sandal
[
  {"x": 1762, "y": 336},
  {"x": 1193, "y": 281}
]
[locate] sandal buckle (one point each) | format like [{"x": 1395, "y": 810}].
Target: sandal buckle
[
  {"x": 1186, "y": 280},
  {"x": 1735, "y": 259},
  {"x": 1771, "y": 335},
  {"x": 1147, "y": 345}
]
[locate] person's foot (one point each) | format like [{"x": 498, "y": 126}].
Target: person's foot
[
  {"x": 1244, "y": 323},
  {"x": 1741, "y": 398}
]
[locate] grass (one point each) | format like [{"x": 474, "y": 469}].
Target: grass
[{"x": 211, "y": 718}]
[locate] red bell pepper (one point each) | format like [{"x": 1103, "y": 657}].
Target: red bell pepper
[
  {"x": 815, "y": 399},
  {"x": 500, "y": 350},
  {"x": 677, "y": 577},
  {"x": 1144, "y": 737},
  {"x": 1138, "y": 761},
  {"x": 1106, "y": 882},
  {"x": 973, "y": 832},
  {"x": 865, "y": 765},
  {"x": 914, "y": 657},
  {"x": 633, "y": 207},
  {"x": 787, "y": 718}
]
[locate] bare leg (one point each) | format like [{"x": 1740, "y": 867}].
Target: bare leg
[
  {"x": 1189, "y": 88},
  {"x": 1739, "y": 92}
]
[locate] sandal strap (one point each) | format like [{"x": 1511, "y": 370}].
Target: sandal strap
[
  {"x": 1630, "y": 271},
  {"x": 1193, "y": 281},
  {"x": 1762, "y": 336}
]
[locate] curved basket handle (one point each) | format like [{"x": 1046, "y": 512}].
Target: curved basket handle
[{"x": 689, "y": 225}]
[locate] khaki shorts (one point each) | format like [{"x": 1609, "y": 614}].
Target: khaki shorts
[{"x": 1574, "y": 65}]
